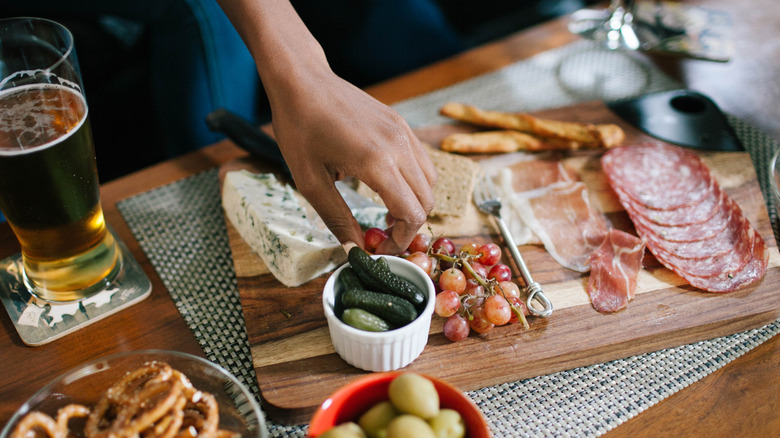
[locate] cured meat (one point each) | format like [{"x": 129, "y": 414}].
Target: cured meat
[
  {"x": 659, "y": 176},
  {"x": 528, "y": 172},
  {"x": 689, "y": 224},
  {"x": 614, "y": 268},
  {"x": 518, "y": 173},
  {"x": 546, "y": 203},
  {"x": 563, "y": 219},
  {"x": 684, "y": 233},
  {"x": 725, "y": 235},
  {"x": 726, "y": 272},
  {"x": 695, "y": 213}
]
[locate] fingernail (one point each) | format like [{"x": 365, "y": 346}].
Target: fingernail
[{"x": 348, "y": 245}]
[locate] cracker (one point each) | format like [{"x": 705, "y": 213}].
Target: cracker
[{"x": 453, "y": 190}]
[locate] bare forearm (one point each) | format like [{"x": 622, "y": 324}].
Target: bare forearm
[
  {"x": 328, "y": 129},
  {"x": 284, "y": 50}
]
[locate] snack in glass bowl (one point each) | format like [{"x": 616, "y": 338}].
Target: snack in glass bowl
[{"x": 141, "y": 393}]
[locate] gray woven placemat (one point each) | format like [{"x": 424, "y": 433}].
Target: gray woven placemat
[{"x": 181, "y": 229}]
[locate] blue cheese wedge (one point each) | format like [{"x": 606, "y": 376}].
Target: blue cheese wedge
[{"x": 280, "y": 226}]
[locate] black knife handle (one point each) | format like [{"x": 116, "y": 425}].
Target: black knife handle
[{"x": 248, "y": 137}]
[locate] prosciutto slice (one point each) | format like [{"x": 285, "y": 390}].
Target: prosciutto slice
[
  {"x": 546, "y": 203},
  {"x": 687, "y": 221},
  {"x": 519, "y": 173},
  {"x": 563, "y": 219},
  {"x": 614, "y": 268}
]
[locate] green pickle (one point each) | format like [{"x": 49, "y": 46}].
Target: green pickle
[
  {"x": 364, "y": 320},
  {"x": 376, "y": 275},
  {"x": 395, "y": 310}
]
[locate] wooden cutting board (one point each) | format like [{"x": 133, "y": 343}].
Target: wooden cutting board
[{"x": 297, "y": 367}]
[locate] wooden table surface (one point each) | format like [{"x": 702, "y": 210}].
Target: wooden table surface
[{"x": 740, "y": 399}]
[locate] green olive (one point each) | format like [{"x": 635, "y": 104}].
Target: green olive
[
  {"x": 406, "y": 426},
  {"x": 413, "y": 394},
  {"x": 344, "y": 430},
  {"x": 377, "y": 418},
  {"x": 448, "y": 424}
]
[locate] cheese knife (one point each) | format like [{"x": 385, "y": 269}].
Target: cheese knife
[{"x": 248, "y": 137}]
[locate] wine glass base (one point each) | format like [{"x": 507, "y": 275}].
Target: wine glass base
[
  {"x": 605, "y": 28},
  {"x": 659, "y": 27},
  {"x": 39, "y": 322}
]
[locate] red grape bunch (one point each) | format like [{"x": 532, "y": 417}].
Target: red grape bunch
[{"x": 475, "y": 290}]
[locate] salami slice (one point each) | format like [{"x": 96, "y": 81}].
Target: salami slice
[
  {"x": 658, "y": 176},
  {"x": 728, "y": 281},
  {"x": 716, "y": 239},
  {"x": 695, "y": 213},
  {"x": 728, "y": 262},
  {"x": 687, "y": 221},
  {"x": 685, "y": 233}
]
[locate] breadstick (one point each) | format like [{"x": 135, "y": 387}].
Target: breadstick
[
  {"x": 585, "y": 134},
  {"x": 501, "y": 142}
]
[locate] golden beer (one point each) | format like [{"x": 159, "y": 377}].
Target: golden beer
[{"x": 49, "y": 192}]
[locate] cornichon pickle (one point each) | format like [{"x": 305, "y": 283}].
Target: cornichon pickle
[
  {"x": 376, "y": 275},
  {"x": 349, "y": 278},
  {"x": 363, "y": 320},
  {"x": 395, "y": 310}
]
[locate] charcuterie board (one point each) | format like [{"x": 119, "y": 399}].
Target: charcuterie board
[{"x": 297, "y": 367}]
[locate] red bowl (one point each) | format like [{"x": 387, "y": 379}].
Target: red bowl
[{"x": 351, "y": 401}]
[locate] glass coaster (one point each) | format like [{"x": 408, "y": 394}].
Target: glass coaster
[{"x": 39, "y": 322}]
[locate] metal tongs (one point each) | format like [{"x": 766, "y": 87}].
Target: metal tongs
[{"x": 487, "y": 199}]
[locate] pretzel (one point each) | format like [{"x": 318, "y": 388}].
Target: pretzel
[
  {"x": 70, "y": 411},
  {"x": 153, "y": 400},
  {"x": 150, "y": 371},
  {"x": 201, "y": 414},
  {"x": 35, "y": 422}
]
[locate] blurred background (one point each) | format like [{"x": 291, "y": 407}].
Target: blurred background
[{"x": 153, "y": 69}]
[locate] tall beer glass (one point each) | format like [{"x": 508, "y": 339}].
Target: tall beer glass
[{"x": 49, "y": 189}]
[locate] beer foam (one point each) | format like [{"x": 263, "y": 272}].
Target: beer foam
[{"x": 28, "y": 125}]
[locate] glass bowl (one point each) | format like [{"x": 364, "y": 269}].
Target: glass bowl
[{"x": 239, "y": 412}]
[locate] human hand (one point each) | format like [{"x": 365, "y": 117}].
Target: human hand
[
  {"x": 329, "y": 129},
  {"x": 332, "y": 130}
]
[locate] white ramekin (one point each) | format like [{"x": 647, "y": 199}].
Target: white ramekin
[{"x": 381, "y": 351}]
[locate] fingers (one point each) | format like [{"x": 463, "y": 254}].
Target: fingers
[
  {"x": 424, "y": 161},
  {"x": 404, "y": 206},
  {"x": 334, "y": 212}
]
